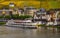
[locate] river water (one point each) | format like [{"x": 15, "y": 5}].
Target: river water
[{"x": 13, "y": 32}]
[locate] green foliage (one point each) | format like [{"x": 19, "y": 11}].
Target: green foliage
[
  {"x": 24, "y": 16},
  {"x": 7, "y": 17},
  {"x": 16, "y": 16},
  {"x": 1, "y": 17},
  {"x": 42, "y": 25},
  {"x": 21, "y": 16},
  {"x": 2, "y": 23}
]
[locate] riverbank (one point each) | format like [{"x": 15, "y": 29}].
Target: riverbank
[{"x": 53, "y": 26}]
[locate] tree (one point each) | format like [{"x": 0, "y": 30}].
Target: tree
[
  {"x": 7, "y": 17},
  {"x": 1, "y": 17},
  {"x": 24, "y": 17}
]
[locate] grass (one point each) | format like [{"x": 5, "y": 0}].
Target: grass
[
  {"x": 42, "y": 25},
  {"x": 2, "y": 23}
]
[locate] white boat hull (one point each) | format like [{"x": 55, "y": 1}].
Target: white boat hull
[{"x": 23, "y": 25}]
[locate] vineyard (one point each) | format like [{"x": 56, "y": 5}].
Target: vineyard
[{"x": 38, "y": 4}]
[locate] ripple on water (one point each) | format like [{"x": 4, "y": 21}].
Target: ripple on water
[{"x": 10, "y": 32}]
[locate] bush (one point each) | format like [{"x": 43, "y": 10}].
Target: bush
[
  {"x": 16, "y": 16},
  {"x": 1, "y": 17},
  {"x": 2, "y": 23},
  {"x": 24, "y": 16},
  {"x": 42, "y": 25},
  {"x": 7, "y": 17}
]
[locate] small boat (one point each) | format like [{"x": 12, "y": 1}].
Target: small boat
[{"x": 21, "y": 24}]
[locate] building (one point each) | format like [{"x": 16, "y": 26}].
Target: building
[
  {"x": 29, "y": 10},
  {"x": 20, "y": 11},
  {"x": 5, "y": 12},
  {"x": 0, "y": 13},
  {"x": 40, "y": 16},
  {"x": 11, "y": 4},
  {"x": 52, "y": 17}
]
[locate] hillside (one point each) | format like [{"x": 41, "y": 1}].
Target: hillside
[
  {"x": 44, "y": 3},
  {"x": 23, "y": 3}
]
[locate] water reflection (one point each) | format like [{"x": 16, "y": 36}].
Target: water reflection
[{"x": 11, "y": 32}]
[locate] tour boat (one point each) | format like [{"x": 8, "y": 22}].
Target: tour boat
[{"x": 22, "y": 24}]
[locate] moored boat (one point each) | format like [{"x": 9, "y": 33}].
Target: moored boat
[{"x": 22, "y": 24}]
